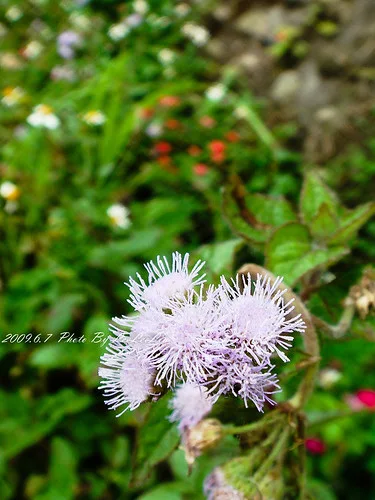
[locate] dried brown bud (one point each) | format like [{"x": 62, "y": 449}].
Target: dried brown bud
[
  {"x": 203, "y": 436},
  {"x": 363, "y": 294}
]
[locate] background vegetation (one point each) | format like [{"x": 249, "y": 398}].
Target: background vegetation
[{"x": 146, "y": 144}]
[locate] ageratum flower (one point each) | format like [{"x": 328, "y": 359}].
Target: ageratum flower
[
  {"x": 259, "y": 317},
  {"x": 219, "y": 340},
  {"x": 127, "y": 380},
  {"x": 165, "y": 280},
  {"x": 190, "y": 405}
]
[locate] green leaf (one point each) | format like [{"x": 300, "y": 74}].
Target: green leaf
[
  {"x": 157, "y": 439},
  {"x": 62, "y": 473},
  {"x": 352, "y": 221},
  {"x": 268, "y": 211},
  {"x": 324, "y": 223},
  {"x": 290, "y": 253},
  {"x": 219, "y": 256},
  {"x": 60, "y": 317},
  {"x": 35, "y": 419},
  {"x": 315, "y": 194}
]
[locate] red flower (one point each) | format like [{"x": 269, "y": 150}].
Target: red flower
[
  {"x": 232, "y": 136},
  {"x": 207, "y": 121},
  {"x": 217, "y": 150},
  {"x": 315, "y": 446},
  {"x": 172, "y": 124},
  {"x": 194, "y": 150},
  {"x": 169, "y": 101},
  {"x": 200, "y": 169},
  {"x": 366, "y": 397},
  {"x": 162, "y": 148}
]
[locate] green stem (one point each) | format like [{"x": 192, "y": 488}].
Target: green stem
[{"x": 339, "y": 330}]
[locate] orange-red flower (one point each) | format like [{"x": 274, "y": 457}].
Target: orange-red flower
[
  {"x": 172, "y": 124},
  {"x": 169, "y": 101}
]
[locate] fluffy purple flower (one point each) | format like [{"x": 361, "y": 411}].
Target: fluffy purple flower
[
  {"x": 216, "y": 341},
  {"x": 165, "y": 280},
  {"x": 190, "y": 405},
  {"x": 258, "y": 316},
  {"x": 127, "y": 380},
  {"x": 182, "y": 341}
]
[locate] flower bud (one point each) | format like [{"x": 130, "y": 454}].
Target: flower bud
[{"x": 206, "y": 434}]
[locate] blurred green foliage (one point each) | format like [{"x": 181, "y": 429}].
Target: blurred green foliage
[{"x": 64, "y": 258}]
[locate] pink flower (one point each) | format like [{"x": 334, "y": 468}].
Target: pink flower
[
  {"x": 200, "y": 169},
  {"x": 366, "y": 397},
  {"x": 315, "y": 446}
]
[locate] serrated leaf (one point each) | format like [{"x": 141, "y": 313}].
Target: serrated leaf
[
  {"x": 156, "y": 440},
  {"x": 351, "y": 223},
  {"x": 290, "y": 253},
  {"x": 315, "y": 194},
  {"x": 324, "y": 223},
  {"x": 268, "y": 211}
]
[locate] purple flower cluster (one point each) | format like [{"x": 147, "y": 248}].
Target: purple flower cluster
[
  {"x": 67, "y": 42},
  {"x": 212, "y": 340}
]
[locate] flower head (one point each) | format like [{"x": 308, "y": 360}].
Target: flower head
[
  {"x": 94, "y": 117},
  {"x": 190, "y": 405},
  {"x": 260, "y": 321},
  {"x": 165, "y": 280},
  {"x": 119, "y": 215},
  {"x": 126, "y": 379},
  {"x": 9, "y": 191},
  {"x": 43, "y": 117},
  {"x": 12, "y": 96}
]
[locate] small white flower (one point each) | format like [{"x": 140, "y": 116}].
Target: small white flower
[
  {"x": 12, "y": 96},
  {"x": 9, "y": 191},
  {"x": 166, "y": 56},
  {"x": 43, "y": 117},
  {"x": 216, "y": 92},
  {"x": 154, "y": 130},
  {"x": 94, "y": 117},
  {"x": 328, "y": 377},
  {"x": 197, "y": 34},
  {"x": 80, "y": 21},
  {"x": 119, "y": 215},
  {"x": 33, "y": 49},
  {"x": 14, "y": 13},
  {"x": 10, "y": 61},
  {"x": 140, "y": 7},
  {"x": 182, "y": 9},
  {"x": 118, "y": 31}
]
